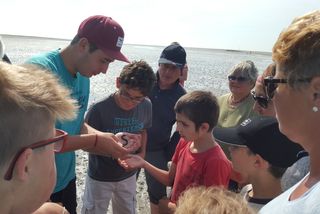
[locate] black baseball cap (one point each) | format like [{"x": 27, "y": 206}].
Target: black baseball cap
[
  {"x": 173, "y": 54},
  {"x": 262, "y": 136}
]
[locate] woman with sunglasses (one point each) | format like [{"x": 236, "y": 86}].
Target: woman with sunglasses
[
  {"x": 236, "y": 106},
  {"x": 264, "y": 106},
  {"x": 295, "y": 90}
]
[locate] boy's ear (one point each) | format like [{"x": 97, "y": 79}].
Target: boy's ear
[
  {"x": 83, "y": 44},
  {"x": 21, "y": 169},
  {"x": 118, "y": 84},
  {"x": 204, "y": 127},
  {"x": 260, "y": 162}
]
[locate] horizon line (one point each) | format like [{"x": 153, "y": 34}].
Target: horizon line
[{"x": 220, "y": 49}]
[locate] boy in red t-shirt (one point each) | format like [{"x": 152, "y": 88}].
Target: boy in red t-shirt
[{"x": 198, "y": 159}]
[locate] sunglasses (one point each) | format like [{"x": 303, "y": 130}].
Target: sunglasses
[
  {"x": 271, "y": 84},
  {"x": 238, "y": 79},
  {"x": 262, "y": 101},
  {"x": 59, "y": 140},
  {"x": 127, "y": 96}
]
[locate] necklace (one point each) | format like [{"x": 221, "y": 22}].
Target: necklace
[{"x": 235, "y": 103}]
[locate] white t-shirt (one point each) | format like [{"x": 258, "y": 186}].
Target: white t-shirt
[
  {"x": 255, "y": 203},
  {"x": 309, "y": 202}
]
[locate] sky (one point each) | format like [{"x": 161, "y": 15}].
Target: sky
[{"x": 252, "y": 25}]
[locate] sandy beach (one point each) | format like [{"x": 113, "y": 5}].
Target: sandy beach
[{"x": 81, "y": 170}]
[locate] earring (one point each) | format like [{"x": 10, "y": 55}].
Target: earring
[{"x": 315, "y": 109}]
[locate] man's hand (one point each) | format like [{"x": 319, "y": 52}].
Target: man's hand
[
  {"x": 130, "y": 141},
  {"x": 108, "y": 144}
]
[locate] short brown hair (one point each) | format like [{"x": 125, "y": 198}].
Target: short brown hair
[
  {"x": 200, "y": 107},
  {"x": 138, "y": 75}
]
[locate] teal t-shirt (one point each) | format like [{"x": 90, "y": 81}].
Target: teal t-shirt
[{"x": 79, "y": 87}]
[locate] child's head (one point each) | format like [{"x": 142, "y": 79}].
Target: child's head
[
  {"x": 137, "y": 75},
  {"x": 171, "y": 63},
  {"x": 31, "y": 100},
  {"x": 259, "y": 141},
  {"x": 211, "y": 200},
  {"x": 200, "y": 107}
]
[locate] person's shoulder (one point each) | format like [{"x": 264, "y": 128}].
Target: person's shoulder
[
  {"x": 47, "y": 56},
  {"x": 182, "y": 144},
  {"x": 223, "y": 96},
  {"x": 146, "y": 101},
  {"x": 218, "y": 155},
  {"x": 182, "y": 90},
  {"x": 101, "y": 103},
  {"x": 45, "y": 60}
]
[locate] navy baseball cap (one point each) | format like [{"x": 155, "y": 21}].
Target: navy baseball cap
[
  {"x": 262, "y": 136},
  {"x": 174, "y": 55}
]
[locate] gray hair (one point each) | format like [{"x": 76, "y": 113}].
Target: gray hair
[{"x": 246, "y": 69}]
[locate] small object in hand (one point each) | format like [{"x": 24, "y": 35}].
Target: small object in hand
[
  {"x": 129, "y": 141},
  {"x": 125, "y": 140}
]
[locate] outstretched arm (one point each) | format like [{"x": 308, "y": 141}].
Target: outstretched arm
[
  {"x": 96, "y": 142},
  {"x": 135, "y": 161}
]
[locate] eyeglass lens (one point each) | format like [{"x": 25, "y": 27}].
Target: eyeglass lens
[
  {"x": 238, "y": 79},
  {"x": 262, "y": 101}
]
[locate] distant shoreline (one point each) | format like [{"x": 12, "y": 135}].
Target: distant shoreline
[
  {"x": 34, "y": 37},
  {"x": 191, "y": 48}
]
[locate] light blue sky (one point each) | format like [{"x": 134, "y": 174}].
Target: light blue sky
[{"x": 224, "y": 24}]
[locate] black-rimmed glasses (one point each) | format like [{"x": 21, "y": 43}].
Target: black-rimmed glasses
[
  {"x": 262, "y": 101},
  {"x": 271, "y": 84},
  {"x": 127, "y": 96},
  {"x": 58, "y": 140}
]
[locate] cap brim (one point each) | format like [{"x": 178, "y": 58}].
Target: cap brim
[
  {"x": 228, "y": 136},
  {"x": 166, "y": 61},
  {"x": 117, "y": 55}
]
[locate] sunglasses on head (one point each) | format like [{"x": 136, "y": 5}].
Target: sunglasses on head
[
  {"x": 271, "y": 84},
  {"x": 262, "y": 101},
  {"x": 238, "y": 79}
]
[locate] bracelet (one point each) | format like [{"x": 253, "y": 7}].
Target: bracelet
[{"x": 96, "y": 141}]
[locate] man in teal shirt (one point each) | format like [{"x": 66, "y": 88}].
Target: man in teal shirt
[{"x": 96, "y": 45}]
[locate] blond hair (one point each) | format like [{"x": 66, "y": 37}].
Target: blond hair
[
  {"x": 297, "y": 49},
  {"x": 206, "y": 200},
  {"x": 31, "y": 100}
]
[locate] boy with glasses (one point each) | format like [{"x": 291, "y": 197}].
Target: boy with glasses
[
  {"x": 31, "y": 101},
  {"x": 127, "y": 110}
]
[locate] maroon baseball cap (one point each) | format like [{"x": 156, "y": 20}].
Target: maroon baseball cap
[{"x": 105, "y": 33}]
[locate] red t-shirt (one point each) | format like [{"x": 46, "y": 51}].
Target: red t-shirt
[{"x": 209, "y": 168}]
